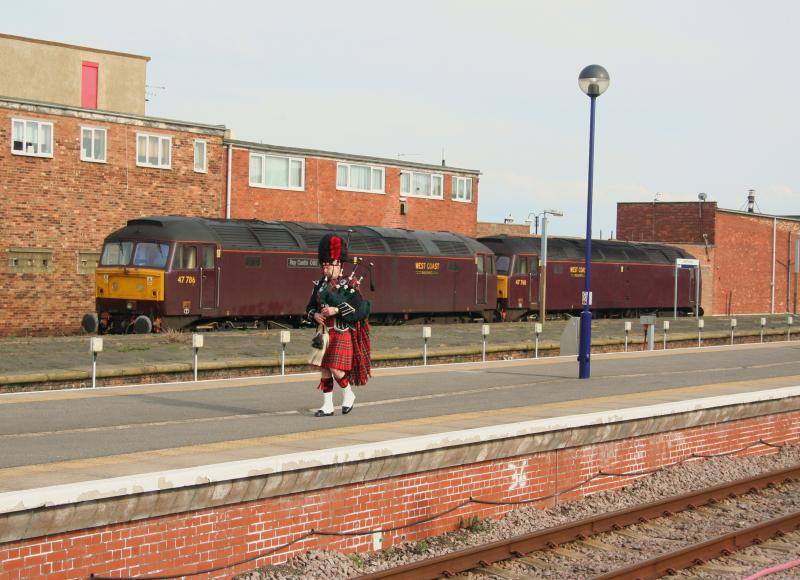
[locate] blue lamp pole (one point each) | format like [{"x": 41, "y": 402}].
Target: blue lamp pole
[{"x": 593, "y": 81}]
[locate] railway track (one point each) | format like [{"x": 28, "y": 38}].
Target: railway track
[{"x": 645, "y": 541}]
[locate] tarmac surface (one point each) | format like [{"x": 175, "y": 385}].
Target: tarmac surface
[{"x": 22, "y": 356}]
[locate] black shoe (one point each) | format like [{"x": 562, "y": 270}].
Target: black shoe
[
  {"x": 321, "y": 413},
  {"x": 346, "y": 410}
]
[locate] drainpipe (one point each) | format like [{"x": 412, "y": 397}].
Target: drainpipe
[
  {"x": 772, "y": 285},
  {"x": 228, "y": 184}
]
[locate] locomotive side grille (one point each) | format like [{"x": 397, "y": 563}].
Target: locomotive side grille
[
  {"x": 312, "y": 238},
  {"x": 275, "y": 239},
  {"x": 404, "y": 246},
  {"x": 364, "y": 244},
  {"x": 449, "y": 248},
  {"x": 235, "y": 235}
]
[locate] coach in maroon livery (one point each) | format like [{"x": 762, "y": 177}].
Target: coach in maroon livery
[{"x": 337, "y": 304}]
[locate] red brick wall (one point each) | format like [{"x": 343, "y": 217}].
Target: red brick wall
[
  {"x": 743, "y": 269},
  {"x": 224, "y": 535},
  {"x": 322, "y": 202},
  {"x": 65, "y": 204},
  {"x": 666, "y": 221},
  {"x": 492, "y": 229}
]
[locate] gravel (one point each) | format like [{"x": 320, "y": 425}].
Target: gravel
[{"x": 329, "y": 565}]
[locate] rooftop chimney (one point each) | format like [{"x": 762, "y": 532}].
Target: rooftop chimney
[{"x": 751, "y": 200}]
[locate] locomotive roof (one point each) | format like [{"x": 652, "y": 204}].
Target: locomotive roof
[
  {"x": 297, "y": 236},
  {"x": 575, "y": 248}
]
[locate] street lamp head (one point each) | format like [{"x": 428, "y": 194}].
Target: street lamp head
[
  {"x": 554, "y": 212},
  {"x": 593, "y": 80}
]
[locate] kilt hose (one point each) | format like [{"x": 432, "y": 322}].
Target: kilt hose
[{"x": 339, "y": 354}]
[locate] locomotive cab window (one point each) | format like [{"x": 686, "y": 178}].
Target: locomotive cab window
[
  {"x": 208, "y": 258},
  {"x": 116, "y": 254},
  {"x": 185, "y": 258},
  {"x": 151, "y": 254},
  {"x": 502, "y": 263},
  {"x": 521, "y": 266}
]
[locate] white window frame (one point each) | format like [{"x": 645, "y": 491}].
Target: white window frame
[
  {"x": 455, "y": 196},
  {"x": 412, "y": 177},
  {"x": 204, "y": 167},
  {"x": 372, "y": 189},
  {"x": 105, "y": 144},
  {"x": 263, "y": 180},
  {"x": 162, "y": 140},
  {"x": 39, "y": 135}
]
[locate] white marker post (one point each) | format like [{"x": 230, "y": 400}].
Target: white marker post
[
  {"x": 426, "y": 334},
  {"x": 95, "y": 347},
  {"x": 484, "y": 333},
  {"x": 763, "y": 324},
  {"x": 537, "y": 330},
  {"x": 700, "y": 324},
  {"x": 789, "y": 321},
  {"x": 627, "y": 330},
  {"x": 197, "y": 344},
  {"x": 666, "y": 329},
  {"x": 733, "y": 327},
  {"x": 286, "y": 338}
]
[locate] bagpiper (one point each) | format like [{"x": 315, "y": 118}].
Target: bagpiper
[{"x": 337, "y": 304}]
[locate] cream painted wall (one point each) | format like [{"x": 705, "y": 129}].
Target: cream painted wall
[{"x": 50, "y": 72}]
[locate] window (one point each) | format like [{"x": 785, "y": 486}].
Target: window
[
  {"x": 185, "y": 258},
  {"x": 116, "y": 254},
  {"x": 421, "y": 184},
  {"x": 30, "y": 260},
  {"x": 89, "y": 72},
  {"x": 501, "y": 263},
  {"x": 200, "y": 160},
  {"x": 33, "y": 138},
  {"x": 93, "y": 144},
  {"x": 359, "y": 178},
  {"x": 274, "y": 171},
  {"x": 252, "y": 261},
  {"x": 521, "y": 266},
  {"x": 208, "y": 258},
  {"x": 462, "y": 188},
  {"x": 151, "y": 254},
  {"x": 153, "y": 151}
]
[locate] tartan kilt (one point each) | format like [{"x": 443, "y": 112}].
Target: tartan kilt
[{"x": 339, "y": 354}]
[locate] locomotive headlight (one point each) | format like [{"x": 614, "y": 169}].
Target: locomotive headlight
[{"x": 130, "y": 304}]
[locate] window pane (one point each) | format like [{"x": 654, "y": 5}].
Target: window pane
[
  {"x": 377, "y": 179},
  {"x": 208, "y": 257},
  {"x": 277, "y": 171},
  {"x": 141, "y": 149},
  {"x": 296, "y": 177},
  {"x": 454, "y": 191},
  {"x": 405, "y": 183},
  {"x": 150, "y": 254},
  {"x": 341, "y": 176},
  {"x": 360, "y": 176},
  {"x": 436, "y": 190},
  {"x": 31, "y": 137},
  {"x": 256, "y": 163},
  {"x": 165, "y": 152},
  {"x": 468, "y": 186},
  {"x": 199, "y": 156},
  {"x": 152, "y": 150},
  {"x": 19, "y": 136},
  {"x": 86, "y": 143},
  {"x": 116, "y": 253},
  {"x": 47, "y": 138},
  {"x": 100, "y": 145},
  {"x": 422, "y": 184}
]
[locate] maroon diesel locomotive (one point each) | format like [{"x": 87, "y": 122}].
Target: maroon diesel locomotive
[
  {"x": 179, "y": 272},
  {"x": 628, "y": 278}
]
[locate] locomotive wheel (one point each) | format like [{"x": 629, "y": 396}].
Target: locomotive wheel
[
  {"x": 142, "y": 325},
  {"x": 90, "y": 323}
]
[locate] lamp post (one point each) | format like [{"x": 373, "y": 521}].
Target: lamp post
[
  {"x": 543, "y": 264},
  {"x": 593, "y": 81}
]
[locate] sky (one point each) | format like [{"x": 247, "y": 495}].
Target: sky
[{"x": 702, "y": 97}]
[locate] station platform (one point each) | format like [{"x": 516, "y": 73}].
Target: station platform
[{"x": 418, "y": 439}]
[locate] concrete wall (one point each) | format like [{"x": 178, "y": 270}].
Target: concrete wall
[
  {"x": 51, "y": 72},
  {"x": 66, "y": 205},
  {"x": 321, "y": 201}
]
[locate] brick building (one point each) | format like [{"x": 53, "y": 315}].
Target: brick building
[
  {"x": 287, "y": 183},
  {"x": 746, "y": 258},
  {"x": 78, "y": 158}
]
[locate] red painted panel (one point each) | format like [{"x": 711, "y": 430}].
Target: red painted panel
[{"x": 89, "y": 72}]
